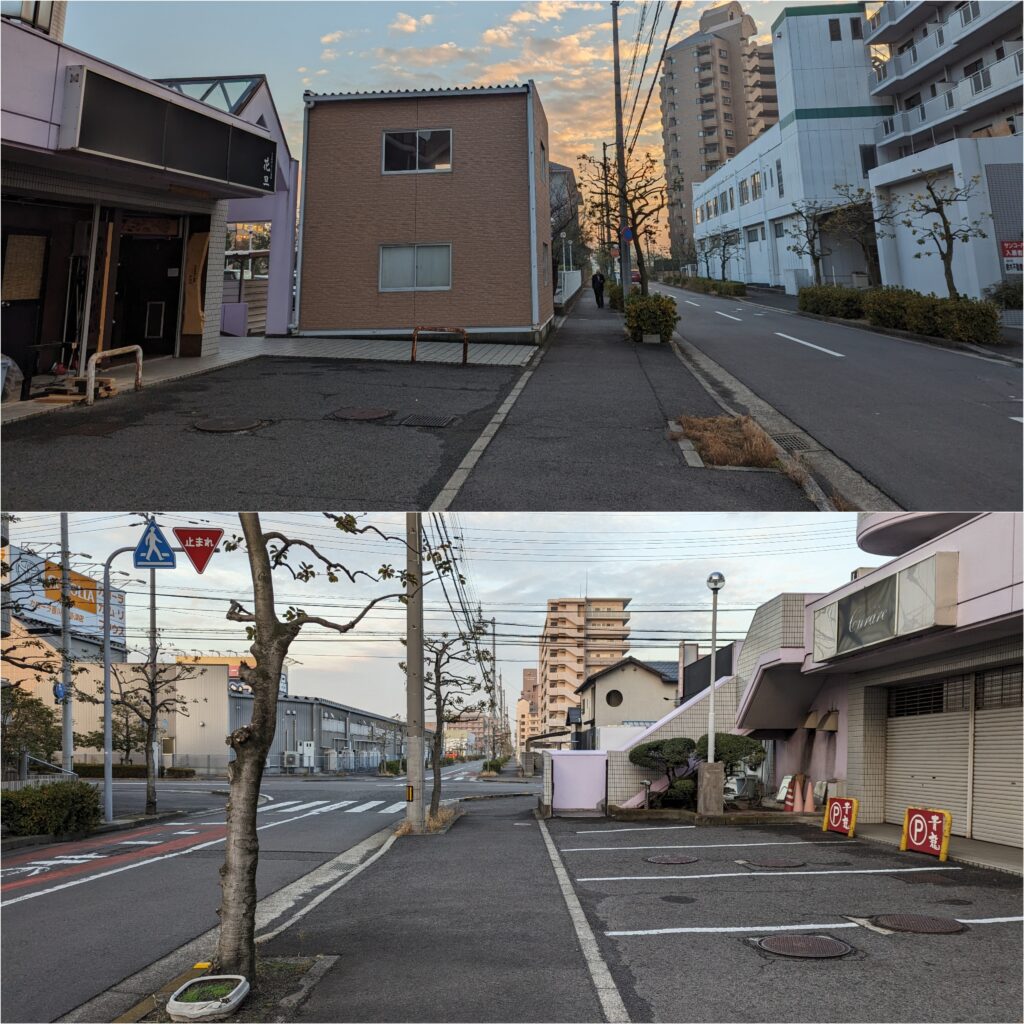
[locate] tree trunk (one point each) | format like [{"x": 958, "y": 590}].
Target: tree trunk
[
  {"x": 151, "y": 764},
  {"x": 640, "y": 264},
  {"x": 817, "y": 267},
  {"x": 947, "y": 267},
  {"x": 437, "y": 744}
]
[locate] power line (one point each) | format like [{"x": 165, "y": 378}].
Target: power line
[{"x": 654, "y": 79}]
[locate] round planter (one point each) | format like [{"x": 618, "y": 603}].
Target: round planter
[{"x": 209, "y": 1009}]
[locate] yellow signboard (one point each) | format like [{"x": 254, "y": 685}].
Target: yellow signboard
[{"x": 81, "y": 589}]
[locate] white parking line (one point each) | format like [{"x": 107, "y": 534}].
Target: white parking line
[
  {"x": 827, "y": 351},
  {"x": 753, "y": 929},
  {"x": 763, "y": 874},
  {"x": 708, "y": 846},
  {"x": 989, "y": 920},
  {"x": 301, "y": 807},
  {"x": 729, "y": 315},
  {"x": 364, "y": 807},
  {"x": 393, "y": 808},
  {"x": 642, "y": 828},
  {"x": 1017, "y": 419}
]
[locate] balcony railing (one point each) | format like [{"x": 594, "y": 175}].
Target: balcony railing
[
  {"x": 889, "y": 13},
  {"x": 968, "y": 92}
]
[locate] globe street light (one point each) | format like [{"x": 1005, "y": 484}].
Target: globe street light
[{"x": 715, "y": 583}]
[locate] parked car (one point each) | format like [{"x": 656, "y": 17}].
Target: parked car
[{"x": 635, "y": 276}]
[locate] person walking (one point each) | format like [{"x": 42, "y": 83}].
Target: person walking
[{"x": 597, "y": 283}]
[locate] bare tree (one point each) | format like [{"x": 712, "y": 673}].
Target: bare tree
[
  {"x": 726, "y": 245},
  {"x": 706, "y": 252},
  {"x": 940, "y": 199},
  {"x": 806, "y": 234},
  {"x": 863, "y": 217},
  {"x": 272, "y": 635}
]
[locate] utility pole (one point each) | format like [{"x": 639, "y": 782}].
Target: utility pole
[
  {"x": 607, "y": 215},
  {"x": 623, "y": 241},
  {"x": 67, "y": 708},
  {"x": 414, "y": 675},
  {"x": 5, "y": 594},
  {"x": 494, "y": 684}
]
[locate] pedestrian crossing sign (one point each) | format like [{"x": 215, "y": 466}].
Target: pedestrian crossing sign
[{"x": 153, "y": 550}]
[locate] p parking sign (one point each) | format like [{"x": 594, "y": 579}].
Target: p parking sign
[
  {"x": 926, "y": 830},
  {"x": 840, "y": 815}
]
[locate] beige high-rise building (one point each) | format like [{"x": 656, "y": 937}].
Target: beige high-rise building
[
  {"x": 717, "y": 95},
  {"x": 528, "y": 720},
  {"x": 581, "y": 635}
]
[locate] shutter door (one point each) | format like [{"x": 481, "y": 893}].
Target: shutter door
[
  {"x": 998, "y": 767},
  {"x": 926, "y": 766}
]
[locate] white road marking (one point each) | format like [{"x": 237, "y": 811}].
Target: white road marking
[
  {"x": 729, "y": 315},
  {"x": 753, "y": 929},
  {"x": 611, "y": 1002},
  {"x": 141, "y": 842},
  {"x": 1017, "y": 419},
  {"x": 364, "y": 807},
  {"x": 334, "y": 807},
  {"x": 213, "y": 823},
  {"x": 762, "y": 874},
  {"x": 708, "y": 846},
  {"x": 643, "y": 828},
  {"x": 827, "y": 351},
  {"x": 301, "y": 807},
  {"x": 689, "y": 303},
  {"x": 188, "y": 832},
  {"x": 989, "y": 920},
  {"x": 393, "y": 808},
  {"x": 276, "y": 807}
]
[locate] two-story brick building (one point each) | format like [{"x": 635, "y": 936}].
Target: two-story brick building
[{"x": 426, "y": 208}]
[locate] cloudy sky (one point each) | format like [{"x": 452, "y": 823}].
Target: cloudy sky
[
  {"x": 564, "y": 45},
  {"x": 513, "y": 562}
]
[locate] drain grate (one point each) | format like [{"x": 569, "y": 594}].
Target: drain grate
[
  {"x": 809, "y": 947},
  {"x": 355, "y": 412},
  {"x": 427, "y": 420},
  {"x": 920, "y": 924},
  {"x": 775, "y": 863},
  {"x": 670, "y": 858},
  {"x": 228, "y": 425},
  {"x": 793, "y": 442}
]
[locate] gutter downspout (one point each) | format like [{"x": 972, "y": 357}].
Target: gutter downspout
[
  {"x": 534, "y": 298},
  {"x": 294, "y": 326}
]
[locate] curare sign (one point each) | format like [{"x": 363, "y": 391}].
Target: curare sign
[{"x": 867, "y": 616}]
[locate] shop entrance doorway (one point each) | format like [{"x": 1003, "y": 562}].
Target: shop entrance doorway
[{"x": 23, "y": 275}]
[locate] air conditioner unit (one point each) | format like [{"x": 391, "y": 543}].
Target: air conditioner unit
[{"x": 291, "y": 759}]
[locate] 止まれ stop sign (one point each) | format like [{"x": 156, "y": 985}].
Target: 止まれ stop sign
[
  {"x": 926, "y": 830},
  {"x": 199, "y": 543},
  {"x": 840, "y": 815}
]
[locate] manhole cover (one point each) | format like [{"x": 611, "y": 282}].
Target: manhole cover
[
  {"x": 670, "y": 858},
  {"x": 792, "y": 442},
  {"x": 425, "y": 420},
  {"x": 353, "y": 412},
  {"x": 678, "y": 899},
  {"x": 921, "y": 924},
  {"x": 775, "y": 863},
  {"x": 810, "y": 947},
  {"x": 228, "y": 425}
]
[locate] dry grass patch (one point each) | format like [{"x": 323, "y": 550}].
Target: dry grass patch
[
  {"x": 730, "y": 441},
  {"x": 434, "y": 823}
]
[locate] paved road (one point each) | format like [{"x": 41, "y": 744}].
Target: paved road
[
  {"x": 932, "y": 428},
  {"x": 115, "y": 903},
  {"x": 677, "y": 937}
]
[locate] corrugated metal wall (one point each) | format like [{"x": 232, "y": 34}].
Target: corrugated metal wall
[{"x": 998, "y": 768}]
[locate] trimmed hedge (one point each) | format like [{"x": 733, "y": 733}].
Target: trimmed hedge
[
  {"x": 51, "y": 810},
  {"x": 651, "y": 314},
  {"x": 710, "y": 286},
  {"x": 180, "y": 773},
  {"x": 615, "y": 296},
  {"x": 963, "y": 319},
  {"x": 830, "y": 300},
  {"x": 120, "y": 771}
]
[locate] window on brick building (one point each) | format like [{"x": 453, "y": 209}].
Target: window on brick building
[
  {"x": 422, "y": 151},
  {"x": 406, "y": 268}
]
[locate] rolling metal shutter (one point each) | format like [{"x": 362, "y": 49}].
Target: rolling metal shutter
[
  {"x": 998, "y": 768},
  {"x": 926, "y": 765}
]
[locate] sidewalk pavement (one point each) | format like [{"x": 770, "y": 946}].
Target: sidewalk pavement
[
  {"x": 588, "y": 431},
  {"x": 966, "y": 851},
  {"x": 466, "y": 926}
]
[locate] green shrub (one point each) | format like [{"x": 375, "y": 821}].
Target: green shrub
[
  {"x": 887, "y": 307},
  {"x": 663, "y": 756},
  {"x": 51, "y": 810},
  {"x": 711, "y": 286},
  {"x": 651, "y": 314},
  {"x": 119, "y": 771},
  {"x": 964, "y": 319},
  {"x": 180, "y": 773},
  {"x": 615, "y": 296},
  {"x": 830, "y": 300},
  {"x": 682, "y": 791},
  {"x": 925, "y": 314},
  {"x": 732, "y": 751},
  {"x": 972, "y": 320},
  {"x": 1007, "y": 294},
  {"x": 395, "y": 767}
]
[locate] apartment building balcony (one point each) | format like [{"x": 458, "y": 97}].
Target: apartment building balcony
[
  {"x": 973, "y": 26},
  {"x": 986, "y": 91},
  {"x": 895, "y": 18}
]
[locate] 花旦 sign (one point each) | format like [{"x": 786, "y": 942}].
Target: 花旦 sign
[
  {"x": 926, "y": 830},
  {"x": 867, "y": 616},
  {"x": 840, "y": 815}
]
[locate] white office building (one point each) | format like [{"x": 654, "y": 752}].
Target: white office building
[{"x": 859, "y": 104}]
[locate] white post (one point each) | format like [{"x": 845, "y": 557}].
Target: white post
[{"x": 711, "y": 696}]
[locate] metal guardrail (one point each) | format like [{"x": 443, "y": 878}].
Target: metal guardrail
[
  {"x": 441, "y": 330},
  {"x": 90, "y": 372}
]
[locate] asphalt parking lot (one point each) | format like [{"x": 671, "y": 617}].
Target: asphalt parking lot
[{"x": 680, "y": 939}]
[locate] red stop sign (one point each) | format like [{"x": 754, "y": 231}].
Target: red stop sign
[
  {"x": 926, "y": 830},
  {"x": 199, "y": 543}
]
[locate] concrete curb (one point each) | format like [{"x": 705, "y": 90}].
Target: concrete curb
[
  {"x": 820, "y": 465},
  {"x": 739, "y": 819},
  {"x": 118, "y": 825}
]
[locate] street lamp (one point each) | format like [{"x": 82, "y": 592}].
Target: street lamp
[{"x": 715, "y": 583}]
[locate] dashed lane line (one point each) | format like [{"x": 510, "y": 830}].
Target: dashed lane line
[
  {"x": 729, "y": 315},
  {"x": 689, "y": 303},
  {"x": 827, "y": 351},
  {"x": 762, "y": 874}
]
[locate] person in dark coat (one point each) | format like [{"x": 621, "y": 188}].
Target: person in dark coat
[{"x": 597, "y": 283}]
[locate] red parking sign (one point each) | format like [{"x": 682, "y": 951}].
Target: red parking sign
[
  {"x": 840, "y": 815},
  {"x": 926, "y": 830}
]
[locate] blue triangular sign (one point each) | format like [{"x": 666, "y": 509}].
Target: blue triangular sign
[{"x": 153, "y": 551}]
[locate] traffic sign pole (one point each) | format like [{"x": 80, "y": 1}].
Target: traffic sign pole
[{"x": 108, "y": 730}]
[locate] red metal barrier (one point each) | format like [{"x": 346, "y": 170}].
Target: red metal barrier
[{"x": 441, "y": 330}]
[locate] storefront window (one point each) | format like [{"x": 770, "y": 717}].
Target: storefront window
[{"x": 246, "y": 257}]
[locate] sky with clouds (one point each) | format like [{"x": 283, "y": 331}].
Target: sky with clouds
[
  {"x": 514, "y": 563},
  {"x": 564, "y": 45}
]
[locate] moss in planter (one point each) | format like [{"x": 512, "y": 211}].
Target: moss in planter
[{"x": 206, "y": 991}]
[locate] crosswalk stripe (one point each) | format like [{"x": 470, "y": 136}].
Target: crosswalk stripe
[
  {"x": 275, "y": 806},
  {"x": 364, "y": 807},
  {"x": 302, "y": 807},
  {"x": 394, "y": 807},
  {"x": 140, "y": 842},
  {"x": 334, "y": 807}
]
